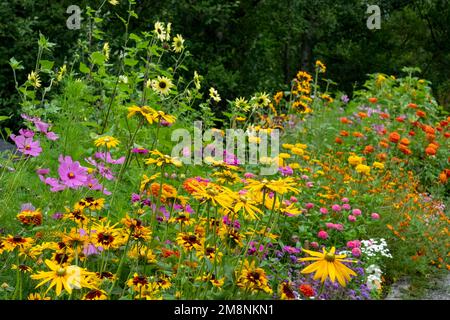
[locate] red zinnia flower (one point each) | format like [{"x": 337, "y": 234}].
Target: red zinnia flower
[{"x": 307, "y": 290}]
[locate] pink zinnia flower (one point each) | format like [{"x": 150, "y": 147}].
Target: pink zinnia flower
[
  {"x": 71, "y": 173},
  {"x": 249, "y": 175},
  {"x": 309, "y": 205},
  {"x": 345, "y": 200},
  {"x": 356, "y": 212},
  {"x": 314, "y": 244},
  {"x": 26, "y": 145},
  {"x": 351, "y": 218},
  {"x": 309, "y": 184},
  {"x": 356, "y": 252},
  {"x": 339, "y": 227},
  {"x": 375, "y": 216},
  {"x": 293, "y": 199},
  {"x": 346, "y": 206},
  {"x": 336, "y": 207},
  {"x": 323, "y": 210},
  {"x": 286, "y": 171},
  {"x": 322, "y": 234},
  {"x": 140, "y": 150}
]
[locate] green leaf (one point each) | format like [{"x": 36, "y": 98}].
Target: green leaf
[
  {"x": 97, "y": 58},
  {"x": 130, "y": 62},
  {"x": 3, "y": 118},
  {"x": 47, "y": 65},
  {"x": 84, "y": 68},
  {"x": 16, "y": 65},
  {"x": 135, "y": 37}
]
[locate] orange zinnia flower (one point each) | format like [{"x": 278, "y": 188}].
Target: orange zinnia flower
[
  {"x": 368, "y": 149},
  {"x": 404, "y": 141},
  {"x": 373, "y": 100},
  {"x": 431, "y": 151},
  {"x": 344, "y": 133},
  {"x": 421, "y": 114},
  {"x": 394, "y": 137},
  {"x": 412, "y": 105},
  {"x": 338, "y": 140}
]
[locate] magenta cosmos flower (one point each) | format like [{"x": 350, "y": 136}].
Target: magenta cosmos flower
[
  {"x": 26, "y": 145},
  {"x": 71, "y": 173}
]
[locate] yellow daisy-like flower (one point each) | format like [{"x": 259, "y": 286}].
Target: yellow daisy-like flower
[
  {"x": 146, "y": 180},
  {"x": 146, "y": 112},
  {"x": 241, "y": 104},
  {"x": 213, "y": 94},
  {"x": 253, "y": 278},
  {"x": 33, "y": 77},
  {"x": 162, "y": 116},
  {"x": 160, "y": 31},
  {"x": 178, "y": 43},
  {"x": 37, "y": 296},
  {"x": 162, "y": 159},
  {"x": 108, "y": 141},
  {"x": 162, "y": 85},
  {"x": 320, "y": 66},
  {"x": 67, "y": 278},
  {"x": 328, "y": 265}
]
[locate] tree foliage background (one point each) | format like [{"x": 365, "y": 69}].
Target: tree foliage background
[{"x": 251, "y": 45}]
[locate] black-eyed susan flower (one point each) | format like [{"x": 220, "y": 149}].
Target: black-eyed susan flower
[
  {"x": 286, "y": 291},
  {"x": 328, "y": 265},
  {"x": 252, "y": 278},
  {"x": 22, "y": 268},
  {"x": 142, "y": 253},
  {"x": 137, "y": 282},
  {"x": 246, "y": 205},
  {"x": 30, "y": 217},
  {"x": 108, "y": 141},
  {"x": 162, "y": 159},
  {"x": 146, "y": 112},
  {"x": 162, "y": 117},
  {"x": 37, "y": 296},
  {"x": 189, "y": 241},
  {"x": 95, "y": 294},
  {"x": 12, "y": 242},
  {"x": 67, "y": 278}
]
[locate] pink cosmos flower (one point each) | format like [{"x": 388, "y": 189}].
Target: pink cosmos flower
[
  {"x": 26, "y": 145},
  {"x": 106, "y": 156},
  {"x": 71, "y": 173}
]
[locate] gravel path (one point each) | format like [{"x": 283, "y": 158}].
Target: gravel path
[{"x": 435, "y": 288}]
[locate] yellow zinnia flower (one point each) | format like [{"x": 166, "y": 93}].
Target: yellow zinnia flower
[
  {"x": 361, "y": 168},
  {"x": 328, "y": 265}
]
